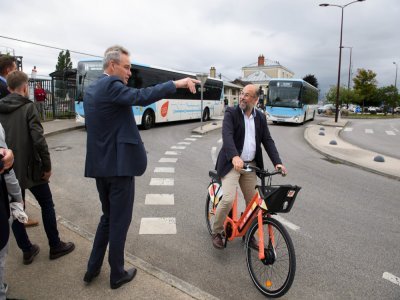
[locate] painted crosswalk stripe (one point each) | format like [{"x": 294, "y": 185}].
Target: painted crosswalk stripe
[
  {"x": 287, "y": 223},
  {"x": 196, "y": 136},
  {"x": 171, "y": 153},
  {"x": 159, "y": 199},
  {"x": 369, "y": 131},
  {"x": 162, "y": 181},
  {"x": 391, "y": 278},
  {"x": 190, "y": 139},
  {"x": 389, "y": 132},
  {"x": 184, "y": 143},
  {"x": 164, "y": 170},
  {"x": 348, "y": 129},
  {"x": 168, "y": 160},
  {"x": 214, "y": 154},
  {"x": 157, "y": 226},
  {"x": 178, "y": 147}
]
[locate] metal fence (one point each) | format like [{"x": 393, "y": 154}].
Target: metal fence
[{"x": 60, "y": 95}]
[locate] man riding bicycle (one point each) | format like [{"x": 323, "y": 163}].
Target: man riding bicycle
[{"x": 244, "y": 130}]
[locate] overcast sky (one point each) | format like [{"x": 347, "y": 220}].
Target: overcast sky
[{"x": 195, "y": 35}]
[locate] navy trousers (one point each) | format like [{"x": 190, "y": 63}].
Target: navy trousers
[
  {"x": 116, "y": 197},
  {"x": 44, "y": 197}
]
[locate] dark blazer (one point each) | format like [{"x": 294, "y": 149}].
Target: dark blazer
[
  {"x": 233, "y": 132},
  {"x": 4, "y": 213},
  {"x": 114, "y": 146},
  {"x": 3, "y": 89}
]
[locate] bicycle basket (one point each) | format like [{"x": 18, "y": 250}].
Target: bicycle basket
[{"x": 279, "y": 198}]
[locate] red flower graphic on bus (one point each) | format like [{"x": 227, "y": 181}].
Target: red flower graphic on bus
[{"x": 164, "y": 109}]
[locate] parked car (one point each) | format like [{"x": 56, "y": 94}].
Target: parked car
[
  {"x": 324, "y": 109},
  {"x": 397, "y": 110},
  {"x": 372, "y": 110}
]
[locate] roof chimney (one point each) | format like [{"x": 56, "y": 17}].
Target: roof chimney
[
  {"x": 213, "y": 72},
  {"x": 261, "y": 60}
]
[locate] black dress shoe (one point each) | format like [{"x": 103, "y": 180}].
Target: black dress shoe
[
  {"x": 61, "y": 250},
  {"x": 88, "y": 278},
  {"x": 129, "y": 275},
  {"x": 30, "y": 255}
]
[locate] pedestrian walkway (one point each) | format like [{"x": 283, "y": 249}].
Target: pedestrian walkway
[
  {"x": 321, "y": 138},
  {"x": 63, "y": 278}
]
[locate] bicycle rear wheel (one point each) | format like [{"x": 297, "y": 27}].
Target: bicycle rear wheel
[
  {"x": 274, "y": 275},
  {"x": 210, "y": 213}
]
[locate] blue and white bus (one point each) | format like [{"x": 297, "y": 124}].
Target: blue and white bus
[
  {"x": 181, "y": 106},
  {"x": 291, "y": 101}
]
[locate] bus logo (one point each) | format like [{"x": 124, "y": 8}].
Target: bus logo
[{"x": 164, "y": 109}]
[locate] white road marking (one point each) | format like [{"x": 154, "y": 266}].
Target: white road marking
[
  {"x": 190, "y": 139},
  {"x": 171, "y": 153},
  {"x": 157, "y": 226},
  {"x": 348, "y": 129},
  {"x": 219, "y": 141},
  {"x": 214, "y": 154},
  {"x": 168, "y": 160},
  {"x": 369, "y": 131},
  {"x": 286, "y": 223},
  {"x": 196, "y": 136},
  {"x": 162, "y": 181},
  {"x": 391, "y": 278},
  {"x": 178, "y": 147},
  {"x": 164, "y": 170},
  {"x": 389, "y": 132},
  {"x": 184, "y": 143},
  {"x": 159, "y": 199}
]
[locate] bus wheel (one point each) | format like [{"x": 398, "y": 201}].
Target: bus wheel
[
  {"x": 148, "y": 119},
  {"x": 206, "y": 114},
  {"x": 313, "y": 116}
]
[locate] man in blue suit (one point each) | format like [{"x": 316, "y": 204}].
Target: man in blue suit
[{"x": 115, "y": 155}]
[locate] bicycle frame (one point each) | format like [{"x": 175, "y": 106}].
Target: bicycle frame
[{"x": 255, "y": 209}]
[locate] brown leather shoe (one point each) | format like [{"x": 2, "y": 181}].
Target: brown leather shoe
[
  {"x": 31, "y": 223},
  {"x": 28, "y": 256},
  {"x": 217, "y": 241},
  {"x": 61, "y": 250}
]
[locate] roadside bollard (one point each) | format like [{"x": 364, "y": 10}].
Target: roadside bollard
[
  {"x": 322, "y": 133},
  {"x": 333, "y": 142},
  {"x": 322, "y": 128},
  {"x": 379, "y": 158}
]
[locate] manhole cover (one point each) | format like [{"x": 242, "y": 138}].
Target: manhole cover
[{"x": 60, "y": 148}]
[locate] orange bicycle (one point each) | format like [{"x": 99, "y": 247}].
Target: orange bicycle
[{"x": 270, "y": 254}]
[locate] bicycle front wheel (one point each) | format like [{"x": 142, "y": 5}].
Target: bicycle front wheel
[{"x": 273, "y": 275}]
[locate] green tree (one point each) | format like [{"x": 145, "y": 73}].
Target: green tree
[
  {"x": 388, "y": 97},
  {"x": 346, "y": 96},
  {"x": 311, "y": 79},
  {"x": 64, "y": 61},
  {"x": 365, "y": 86}
]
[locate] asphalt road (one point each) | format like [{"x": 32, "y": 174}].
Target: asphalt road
[
  {"x": 348, "y": 219},
  {"x": 382, "y": 136}
]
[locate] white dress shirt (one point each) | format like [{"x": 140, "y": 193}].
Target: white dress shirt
[{"x": 249, "y": 146}]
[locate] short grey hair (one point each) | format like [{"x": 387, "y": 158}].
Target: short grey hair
[{"x": 113, "y": 53}]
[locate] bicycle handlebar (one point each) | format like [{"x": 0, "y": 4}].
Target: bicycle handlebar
[{"x": 249, "y": 168}]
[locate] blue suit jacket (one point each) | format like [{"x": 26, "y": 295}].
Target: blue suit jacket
[
  {"x": 233, "y": 132},
  {"x": 114, "y": 146}
]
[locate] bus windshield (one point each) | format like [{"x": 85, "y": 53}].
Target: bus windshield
[
  {"x": 284, "y": 94},
  {"x": 88, "y": 71}
]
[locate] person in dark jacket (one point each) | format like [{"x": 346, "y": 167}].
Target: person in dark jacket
[
  {"x": 244, "y": 129},
  {"x": 32, "y": 166},
  {"x": 5, "y": 163}
]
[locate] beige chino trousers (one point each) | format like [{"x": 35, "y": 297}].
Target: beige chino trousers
[{"x": 230, "y": 182}]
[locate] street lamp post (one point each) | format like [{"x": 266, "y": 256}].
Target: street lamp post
[
  {"x": 395, "y": 80},
  {"x": 340, "y": 52},
  {"x": 203, "y": 78}
]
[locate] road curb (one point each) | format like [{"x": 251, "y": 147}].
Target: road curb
[
  {"x": 346, "y": 162},
  {"x": 47, "y": 134}
]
